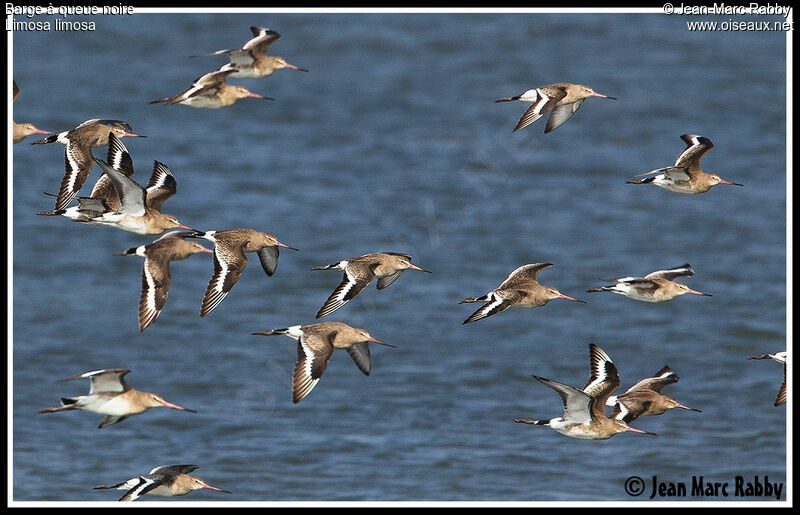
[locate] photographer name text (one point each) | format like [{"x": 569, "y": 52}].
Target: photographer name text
[{"x": 699, "y": 487}]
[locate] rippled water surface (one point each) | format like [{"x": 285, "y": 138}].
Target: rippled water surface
[{"x": 392, "y": 142}]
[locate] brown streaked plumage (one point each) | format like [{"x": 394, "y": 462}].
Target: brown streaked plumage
[
  {"x": 230, "y": 247},
  {"x": 656, "y": 286},
  {"x": 211, "y": 92},
  {"x": 561, "y": 100},
  {"x": 156, "y": 279},
  {"x": 687, "y": 175},
  {"x": 138, "y": 207},
  {"x": 119, "y": 159},
  {"x": 159, "y": 188},
  {"x": 111, "y": 396},
  {"x": 315, "y": 346},
  {"x": 359, "y": 271},
  {"x": 163, "y": 481},
  {"x": 78, "y": 152},
  {"x": 252, "y": 61},
  {"x": 584, "y": 410},
  {"x": 780, "y": 357},
  {"x": 104, "y": 197},
  {"x": 21, "y": 131},
  {"x": 521, "y": 289},
  {"x": 645, "y": 398}
]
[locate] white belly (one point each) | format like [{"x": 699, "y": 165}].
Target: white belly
[
  {"x": 579, "y": 431},
  {"x": 633, "y": 293},
  {"x": 203, "y": 102},
  {"x": 667, "y": 183},
  {"x": 248, "y": 72},
  {"x": 128, "y": 223},
  {"x": 161, "y": 491},
  {"x": 116, "y": 406}
]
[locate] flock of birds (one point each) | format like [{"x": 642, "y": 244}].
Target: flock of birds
[{"x": 116, "y": 200}]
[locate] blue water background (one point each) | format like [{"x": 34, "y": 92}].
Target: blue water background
[{"x": 392, "y": 142}]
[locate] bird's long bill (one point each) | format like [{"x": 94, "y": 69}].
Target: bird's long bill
[
  {"x": 687, "y": 408},
  {"x": 566, "y": 297},
  {"x": 256, "y": 95},
  {"x": 206, "y": 249},
  {"x": 634, "y": 430},
  {"x": 374, "y": 340},
  {"x": 293, "y": 67},
  {"x": 698, "y": 293},
  {"x": 175, "y": 406},
  {"x": 722, "y": 181},
  {"x": 40, "y": 131},
  {"x": 206, "y": 485},
  {"x": 415, "y": 267},
  {"x": 132, "y": 135},
  {"x": 187, "y": 228},
  {"x": 603, "y": 96},
  {"x": 279, "y": 244}
]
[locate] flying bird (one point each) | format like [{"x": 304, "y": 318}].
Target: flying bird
[
  {"x": 252, "y": 61},
  {"x": 211, "y": 91},
  {"x": 521, "y": 289},
  {"x": 584, "y": 410},
  {"x": 360, "y": 271},
  {"x": 561, "y": 100},
  {"x": 78, "y": 156},
  {"x": 315, "y": 346},
  {"x": 111, "y": 396},
  {"x": 21, "y": 131},
  {"x": 156, "y": 278},
  {"x": 230, "y": 247},
  {"x": 645, "y": 398},
  {"x": 163, "y": 481},
  {"x": 780, "y": 357},
  {"x": 687, "y": 175},
  {"x": 656, "y": 286}
]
